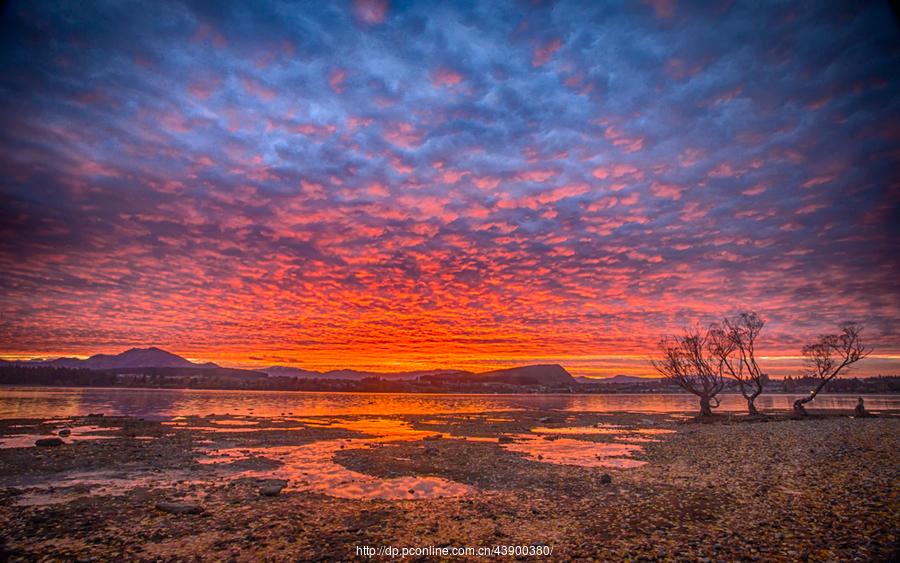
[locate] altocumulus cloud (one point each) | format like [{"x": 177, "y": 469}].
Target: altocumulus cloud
[{"x": 422, "y": 181}]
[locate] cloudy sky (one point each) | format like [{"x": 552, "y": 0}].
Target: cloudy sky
[{"x": 399, "y": 185}]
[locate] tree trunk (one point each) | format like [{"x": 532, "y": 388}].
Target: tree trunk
[
  {"x": 705, "y": 409},
  {"x": 751, "y": 406},
  {"x": 799, "y": 410}
]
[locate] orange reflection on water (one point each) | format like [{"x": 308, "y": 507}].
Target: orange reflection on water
[
  {"x": 609, "y": 429},
  {"x": 311, "y": 467},
  {"x": 78, "y": 434},
  {"x": 567, "y": 451}
]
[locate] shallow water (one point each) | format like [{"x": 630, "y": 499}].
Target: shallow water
[
  {"x": 568, "y": 451},
  {"x": 311, "y": 467},
  {"x": 78, "y": 434},
  {"x": 44, "y": 402}
]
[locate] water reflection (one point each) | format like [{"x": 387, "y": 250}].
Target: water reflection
[
  {"x": 18, "y": 402},
  {"x": 70, "y": 486},
  {"x": 311, "y": 467},
  {"x": 80, "y": 433},
  {"x": 568, "y": 451}
]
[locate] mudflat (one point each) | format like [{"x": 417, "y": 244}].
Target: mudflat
[{"x": 606, "y": 486}]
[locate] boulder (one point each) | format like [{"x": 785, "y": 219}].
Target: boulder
[
  {"x": 47, "y": 442},
  {"x": 272, "y": 488},
  {"x": 64, "y": 432},
  {"x": 605, "y": 479},
  {"x": 505, "y": 440},
  {"x": 179, "y": 507}
]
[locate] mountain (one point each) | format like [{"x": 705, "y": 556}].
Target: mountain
[
  {"x": 286, "y": 371},
  {"x": 551, "y": 375},
  {"x": 620, "y": 378},
  {"x": 134, "y": 358},
  {"x": 542, "y": 374},
  {"x": 526, "y": 375}
]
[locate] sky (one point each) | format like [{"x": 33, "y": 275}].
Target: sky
[{"x": 410, "y": 185}]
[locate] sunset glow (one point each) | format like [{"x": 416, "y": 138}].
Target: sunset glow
[{"x": 391, "y": 186}]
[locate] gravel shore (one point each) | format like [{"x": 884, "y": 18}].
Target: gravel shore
[{"x": 236, "y": 488}]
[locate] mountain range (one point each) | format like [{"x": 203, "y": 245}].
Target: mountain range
[
  {"x": 154, "y": 358},
  {"x": 352, "y": 374}
]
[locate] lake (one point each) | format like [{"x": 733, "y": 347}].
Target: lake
[{"x": 51, "y": 402}]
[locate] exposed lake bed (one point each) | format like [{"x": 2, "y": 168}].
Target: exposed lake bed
[{"x": 315, "y": 487}]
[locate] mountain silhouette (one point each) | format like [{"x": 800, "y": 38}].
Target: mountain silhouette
[{"x": 134, "y": 358}]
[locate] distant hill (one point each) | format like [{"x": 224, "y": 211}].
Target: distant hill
[
  {"x": 542, "y": 374},
  {"x": 551, "y": 375},
  {"x": 354, "y": 375},
  {"x": 134, "y": 358},
  {"x": 526, "y": 375},
  {"x": 620, "y": 378},
  {"x": 285, "y": 371}
]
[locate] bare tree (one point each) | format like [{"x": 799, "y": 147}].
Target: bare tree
[
  {"x": 733, "y": 343},
  {"x": 830, "y": 355},
  {"x": 687, "y": 361}
]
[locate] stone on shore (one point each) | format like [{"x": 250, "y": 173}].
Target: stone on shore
[
  {"x": 179, "y": 507},
  {"x": 272, "y": 488},
  {"x": 48, "y": 442}
]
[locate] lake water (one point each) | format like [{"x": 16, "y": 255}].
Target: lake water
[{"x": 53, "y": 402}]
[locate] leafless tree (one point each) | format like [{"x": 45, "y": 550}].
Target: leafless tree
[
  {"x": 733, "y": 343},
  {"x": 687, "y": 361},
  {"x": 830, "y": 355}
]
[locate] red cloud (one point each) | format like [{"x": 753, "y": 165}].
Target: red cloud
[
  {"x": 542, "y": 55},
  {"x": 370, "y": 12},
  {"x": 445, "y": 77},
  {"x": 336, "y": 80},
  {"x": 258, "y": 89}
]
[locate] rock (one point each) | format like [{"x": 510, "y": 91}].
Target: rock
[
  {"x": 272, "y": 488},
  {"x": 95, "y": 415},
  {"x": 433, "y": 438},
  {"x": 505, "y": 440},
  {"x": 46, "y": 442},
  {"x": 179, "y": 507},
  {"x": 550, "y": 419},
  {"x": 429, "y": 450},
  {"x": 605, "y": 478},
  {"x": 64, "y": 432}
]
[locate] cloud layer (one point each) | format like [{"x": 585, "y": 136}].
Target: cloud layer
[{"x": 399, "y": 185}]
